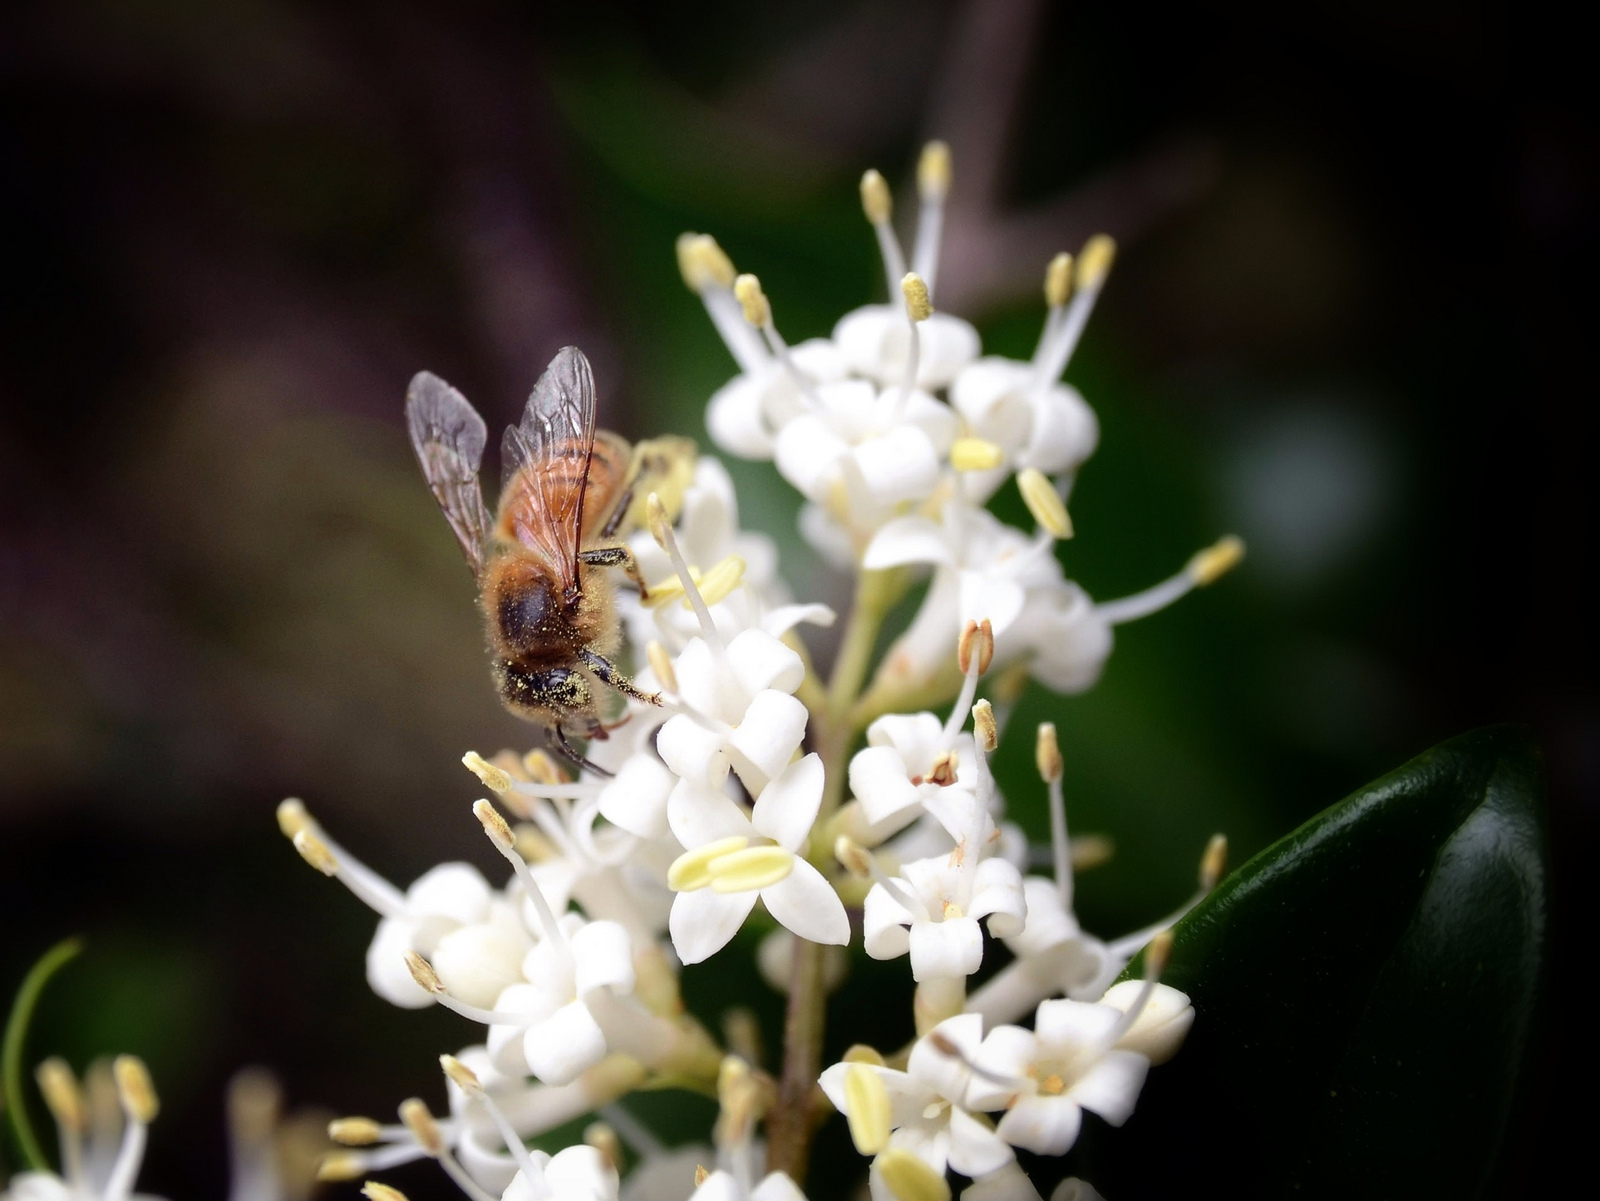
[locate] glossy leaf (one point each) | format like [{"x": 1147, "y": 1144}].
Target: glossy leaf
[{"x": 1364, "y": 990}]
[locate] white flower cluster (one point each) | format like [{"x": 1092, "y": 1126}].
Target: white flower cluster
[{"x": 755, "y": 781}]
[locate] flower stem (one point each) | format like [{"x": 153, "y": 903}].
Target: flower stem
[{"x": 791, "y": 1122}]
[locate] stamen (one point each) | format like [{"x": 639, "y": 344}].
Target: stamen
[
  {"x": 137, "y": 1096},
  {"x": 428, "y": 980},
  {"x": 918, "y": 309},
  {"x": 862, "y": 1053},
  {"x": 1214, "y": 862},
  {"x": 1057, "y": 291},
  {"x": 419, "y": 1120},
  {"x": 319, "y": 850},
  {"x": 355, "y": 1131},
  {"x": 493, "y": 778},
  {"x": 933, "y": 185},
  {"x": 1155, "y": 962},
  {"x": 633, "y": 1131},
  {"x": 866, "y": 1108},
  {"x": 691, "y": 870},
  {"x": 376, "y": 1190},
  {"x": 338, "y": 1166},
  {"x": 718, "y": 583},
  {"x": 984, "y": 727},
  {"x": 878, "y": 205},
  {"x": 750, "y": 869},
  {"x": 67, "y": 1105},
  {"x": 1047, "y": 756},
  {"x": 1044, "y": 502},
  {"x": 975, "y": 454},
  {"x": 467, "y": 1080},
  {"x": 1205, "y": 567},
  {"x": 604, "y": 1139},
  {"x": 1211, "y": 564},
  {"x": 862, "y": 862},
  {"x": 758, "y": 313},
  {"x": 708, "y": 271},
  {"x": 974, "y": 653},
  {"x": 909, "y": 1178},
  {"x": 947, "y": 1046},
  {"x": 505, "y": 842},
  {"x": 1092, "y": 267},
  {"x": 661, "y": 664},
  {"x": 661, "y": 531}
]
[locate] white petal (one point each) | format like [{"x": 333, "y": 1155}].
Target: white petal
[
  {"x": 768, "y": 736},
  {"x": 386, "y": 966},
  {"x": 1160, "y": 1028},
  {"x": 992, "y": 395},
  {"x": 975, "y": 1150},
  {"x": 997, "y": 893},
  {"x": 452, "y": 890},
  {"x": 878, "y": 780},
  {"x": 704, "y": 921},
  {"x": 636, "y": 800},
  {"x": 693, "y": 751},
  {"x": 777, "y": 1186},
  {"x": 807, "y": 453},
  {"x": 986, "y": 597},
  {"x": 948, "y": 1075},
  {"x": 735, "y": 419},
  {"x": 484, "y": 1157},
  {"x": 827, "y": 537},
  {"x": 900, "y": 465},
  {"x": 701, "y": 680},
  {"x": 1010, "y": 1183},
  {"x": 1065, "y": 431},
  {"x": 807, "y": 904},
  {"x": 604, "y": 958},
  {"x": 761, "y": 661},
  {"x": 699, "y": 815},
  {"x": 477, "y": 962},
  {"x": 784, "y": 618},
  {"x": 883, "y": 925},
  {"x": 581, "y": 1173},
  {"x": 907, "y": 540},
  {"x": 564, "y": 1045},
  {"x": 1048, "y": 925},
  {"x": 1070, "y": 645},
  {"x": 917, "y": 736},
  {"x": 786, "y": 807},
  {"x": 719, "y": 1186},
  {"x": 1063, "y": 1026},
  {"x": 1044, "y": 1125},
  {"x": 1111, "y": 1087},
  {"x": 945, "y": 949},
  {"x": 1007, "y": 1051}
]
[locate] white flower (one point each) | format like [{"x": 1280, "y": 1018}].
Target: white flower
[
  {"x": 908, "y": 763},
  {"x": 575, "y": 1174},
  {"x": 927, "y": 1113},
  {"x": 933, "y": 913},
  {"x": 875, "y": 341},
  {"x": 1035, "y": 423},
  {"x": 733, "y": 860},
  {"x": 724, "y": 1186},
  {"x": 105, "y": 1169},
  {"x": 746, "y": 413}
]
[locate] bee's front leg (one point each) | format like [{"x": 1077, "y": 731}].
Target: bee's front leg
[
  {"x": 616, "y": 556},
  {"x": 608, "y": 673}
]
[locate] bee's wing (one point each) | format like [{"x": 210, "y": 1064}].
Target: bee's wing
[
  {"x": 555, "y": 436},
  {"x": 448, "y": 436}
]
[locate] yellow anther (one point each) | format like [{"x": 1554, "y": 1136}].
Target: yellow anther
[
  {"x": 62, "y": 1094},
  {"x": 985, "y": 726},
  {"x": 1091, "y": 850},
  {"x": 376, "y": 1190},
  {"x": 1094, "y": 264},
  {"x": 494, "y": 825},
  {"x": 977, "y": 638},
  {"x": 293, "y": 817},
  {"x": 691, "y": 870},
  {"x": 757, "y": 309},
  {"x": 1052, "y": 1085},
  {"x": 1210, "y": 565},
  {"x": 661, "y": 664},
  {"x": 876, "y": 202},
  {"x": 861, "y": 1053},
  {"x": 669, "y": 590},
  {"x": 542, "y": 769},
  {"x": 604, "y": 1140},
  {"x": 718, "y": 583},
  {"x": 856, "y": 858},
  {"x": 933, "y": 171},
  {"x": 354, "y": 1131},
  {"x": 1157, "y": 954},
  {"x": 702, "y": 263},
  {"x": 919, "y": 305},
  {"x": 943, "y": 769},
  {"x": 1058, "y": 280},
  {"x": 533, "y": 846},
  {"x": 953, "y": 912},
  {"x": 495, "y": 779},
  {"x": 750, "y": 869},
  {"x": 418, "y": 1118},
  {"x": 422, "y": 972},
  {"x": 463, "y": 1076},
  {"x": 135, "y": 1089},
  {"x": 341, "y": 1165},
  {"x": 908, "y": 1178},
  {"x": 1047, "y": 753},
  {"x": 656, "y": 517},
  {"x": 739, "y": 1097},
  {"x": 701, "y": 1174},
  {"x": 975, "y": 454},
  {"x": 866, "y": 1107},
  {"x": 315, "y": 852},
  {"x": 1044, "y": 502},
  {"x": 1214, "y": 862}
]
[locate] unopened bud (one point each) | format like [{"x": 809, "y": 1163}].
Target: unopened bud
[
  {"x": 1214, "y": 862},
  {"x": 757, "y": 309},
  {"x": 135, "y": 1089},
  {"x": 422, "y": 972},
  {"x": 1210, "y": 565},
  {"x": 418, "y": 1118},
  {"x": 1044, "y": 502},
  {"x": 661, "y": 664},
  {"x": 459, "y": 1073},
  {"x": 919, "y": 305},
  {"x": 494, "y": 825},
  {"x": 933, "y": 171},
  {"x": 1094, "y": 264},
  {"x": 495, "y": 779},
  {"x": 354, "y": 1131},
  {"x": 977, "y": 638},
  {"x": 1058, "y": 280},
  {"x": 985, "y": 726},
  {"x": 875, "y": 200},
  {"x": 62, "y": 1094},
  {"x": 1047, "y": 753}
]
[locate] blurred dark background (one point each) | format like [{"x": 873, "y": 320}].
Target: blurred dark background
[{"x": 1349, "y": 321}]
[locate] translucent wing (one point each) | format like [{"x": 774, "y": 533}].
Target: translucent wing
[
  {"x": 545, "y": 464},
  {"x": 448, "y": 436}
]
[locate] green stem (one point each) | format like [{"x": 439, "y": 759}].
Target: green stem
[
  {"x": 790, "y": 1123},
  {"x": 22, "y": 1008}
]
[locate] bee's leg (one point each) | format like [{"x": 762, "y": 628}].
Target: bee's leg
[
  {"x": 571, "y": 754},
  {"x": 614, "y": 522},
  {"x": 616, "y": 556},
  {"x": 608, "y": 673}
]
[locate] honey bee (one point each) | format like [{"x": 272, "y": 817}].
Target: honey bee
[{"x": 566, "y": 494}]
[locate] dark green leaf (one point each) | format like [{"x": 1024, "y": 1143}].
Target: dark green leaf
[{"x": 1364, "y": 991}]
